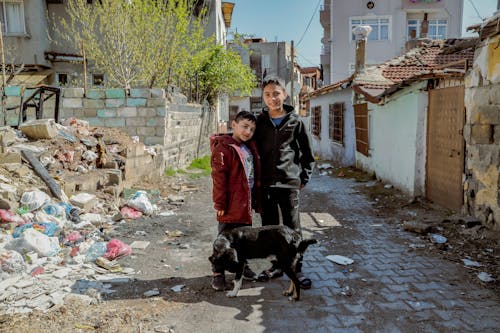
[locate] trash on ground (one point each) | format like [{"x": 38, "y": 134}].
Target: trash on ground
[
  {"x": 438, "y": 239},
  {"x": 341, "y": 260},
  {"x": 177, "y": 288},
  {"x": 485, "y": 277},
  {"x": 152, "y": 292},
  {"x": 139, "y": 245},
  {"x": 471, "y": 263}
]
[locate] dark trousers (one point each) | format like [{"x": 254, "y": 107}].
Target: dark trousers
[{"x": 276, "y": 200}]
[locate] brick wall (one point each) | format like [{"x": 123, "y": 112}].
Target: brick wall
[{"x": 482, "y": 135}]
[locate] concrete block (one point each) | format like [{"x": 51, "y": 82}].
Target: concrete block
[
  {"x": 146, "y": 131},
  {"x": 115, "y": 93},
  {"x": 114, "y": 122},
  {"x": 8, "y": 192},
  {"x": 73, "y": 92},
  {"x": 93, "y": 103},
  {"x": 95, "y": 94},
  {"x": 154, "y": 140},
  {"x": 140, "y": 93},
  {"x": 161, "y": 111},
  {"x": 97, "y": 121},
  {"x": 72, "y": 102},
  {"x": 145, "y": 112},
  {"x": 115, "y": 102},
  {"x": 13, "y": 91},
  {"x": 155, "y": 102},
  {"x": 85, "y": 201},
  {"x": 114, "y": 177},
  {"x": 135, "y": 150},
  {"x": 106, "y": 113},
  {"x": 127, "y": 112},
  {"x": 156, "y": 122},
  {"x": 489, "y": 114},
  {"x": 18, "y": 169},
  {"x": 7, "y": 136},
  {"x": 90, "y": 112},
  {"x": 157, "y": 93},
  {"x": 39, "y": 129},
  {"x": 135, "y": 121},
  {"x": 136, "y": 101}
]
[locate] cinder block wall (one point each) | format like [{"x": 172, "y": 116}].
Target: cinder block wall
[{"x": 482, "y": 135}]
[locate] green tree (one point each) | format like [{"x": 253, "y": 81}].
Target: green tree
[{"x": 222, "y": 72}]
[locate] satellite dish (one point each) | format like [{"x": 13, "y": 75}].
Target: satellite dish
[{"x": 296, "y": 88}]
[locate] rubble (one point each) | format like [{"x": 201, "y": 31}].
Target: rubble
[{"x": 55, "y": 250}]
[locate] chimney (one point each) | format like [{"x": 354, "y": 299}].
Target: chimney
[
  {"x": 361, "y": 33},
  {"x": 227, "y": 12},
  {"x": 424, "y": 27}
]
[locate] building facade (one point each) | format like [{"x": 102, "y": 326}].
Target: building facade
[{"x": 393, "y": 23}]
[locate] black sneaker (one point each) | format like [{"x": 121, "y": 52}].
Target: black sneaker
[
  {"x": 248, "y": 274},
  {"x": 219, "y": 282}
]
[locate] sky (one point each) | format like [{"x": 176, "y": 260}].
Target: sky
[{"x": 298, "y": 20}]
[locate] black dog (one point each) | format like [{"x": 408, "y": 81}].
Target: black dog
[{"x": 232, "y": 248}]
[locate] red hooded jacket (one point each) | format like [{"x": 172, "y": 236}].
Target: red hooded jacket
[{"x": 230, "y": 185}]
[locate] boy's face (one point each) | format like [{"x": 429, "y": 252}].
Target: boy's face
[
  {"x": 274, "y": 96},
  {"x": 243, "y": 130}
]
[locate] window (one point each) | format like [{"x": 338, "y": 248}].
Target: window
[
  {"x": 361, "y": 123},
  {"x": 437, "y": 28},
  {"x": 97, "y": 79},
  {"x": 316, "y": 121},
  {"x": 336, "y": 122},
  {"x": 380, "y": 27},
  {"x": 12, "y": 17},
  {"x": 255, "y": 103},
  {"x": 62, "y": 79}
]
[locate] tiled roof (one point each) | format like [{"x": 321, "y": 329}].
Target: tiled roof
[{"x": 431, "y": 58}]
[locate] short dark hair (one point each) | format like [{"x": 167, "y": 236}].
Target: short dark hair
[
  {"x": 271, "y": 79},
  {"x": 245, "y": 115}
]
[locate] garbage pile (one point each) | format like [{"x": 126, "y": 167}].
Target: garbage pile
[{"x": 53, "y": 246}]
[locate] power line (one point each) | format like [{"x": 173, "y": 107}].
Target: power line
[
  {"x": 477, "y": 12},
  {"x": 309, "y": 61},
  {"x": 309, "y": 24}
]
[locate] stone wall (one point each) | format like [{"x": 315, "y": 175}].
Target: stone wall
[{"x": 482, "y": 134}]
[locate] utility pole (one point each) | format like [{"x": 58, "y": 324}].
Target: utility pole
[{"x": 291, "y": 79}]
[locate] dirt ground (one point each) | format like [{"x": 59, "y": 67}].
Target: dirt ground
[{"x": 178, "y": 252}]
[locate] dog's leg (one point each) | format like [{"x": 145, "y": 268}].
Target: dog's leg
[
  {"x": 293, "y": 291},
  {"x": 237, "y": 281}
]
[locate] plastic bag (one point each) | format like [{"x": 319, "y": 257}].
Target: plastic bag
[
  {"x": 11, "y": 262},
  {"x": 95, "y": 251},
  {"x": 140, "y": 202},
  {"x": 32, "y": 240},
  {"x": 34, "y": 199},
  {"x": 116, "y": 249},
  {"x": 130, "y": 213}
]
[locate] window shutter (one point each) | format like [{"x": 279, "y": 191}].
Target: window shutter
[{"x": 361, "y": 123}]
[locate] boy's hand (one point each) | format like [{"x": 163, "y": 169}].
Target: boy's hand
[{"x": 220, "y": 213}]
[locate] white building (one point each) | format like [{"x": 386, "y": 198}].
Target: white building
[{"x": 393, "y": 22}]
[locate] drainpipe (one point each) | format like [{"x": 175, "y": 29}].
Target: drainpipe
[{"x": 361, "y": 33}]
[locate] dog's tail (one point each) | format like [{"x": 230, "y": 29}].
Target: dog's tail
[{"x": 305, "y": 243}]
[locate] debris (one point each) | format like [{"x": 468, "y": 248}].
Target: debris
[
  {"x": 175, "y": 199},
  {"x": 140, "y": 202},
  {"x": 129, "y": 213},
  {"x": 152, "y": 292},
  {"x": 388, "y": 186},
  {"x": 341, "y": 260},
  {"x": 485, "y": 277},
  {"x": 116, "y": 249},
  {"x": 416, "y": 227},
  {"x": 43, "y": 173},
  {"x": 167, "y": 213},
  {"x": 85, "y": 201},
  {"x": 110, "y": 265},
  {"x": 177, "y": 288},
  {"x": 39, "y": 128},
  {"x": 175, "y": 233},
  {"x": 471, "y": 263},
  {"x": 34, "y": 199},
  {"x": 140, "y": 245},
  {"x": 438, "y": 239}
]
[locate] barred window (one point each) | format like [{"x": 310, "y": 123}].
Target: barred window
[
  {"x": 316, "y": 121},
  {"x": 336, "y": 122}
]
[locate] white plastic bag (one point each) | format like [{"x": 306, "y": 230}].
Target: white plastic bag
[
  {"x": 140, "y": 202},
  {"x": 34, "y": 199},
  {"x": 33, "y": 240}
]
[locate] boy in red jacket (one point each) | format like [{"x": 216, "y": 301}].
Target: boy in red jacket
[{"x": 236, "y": 175}]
